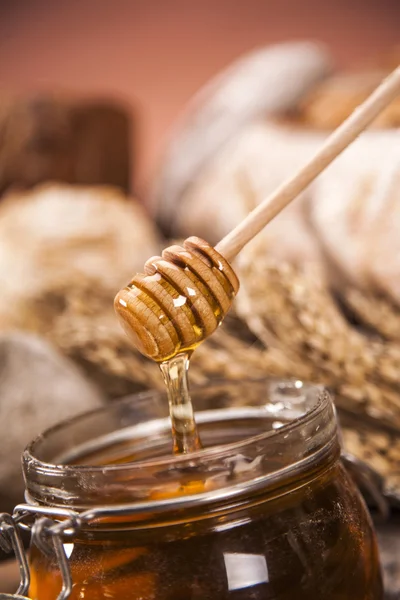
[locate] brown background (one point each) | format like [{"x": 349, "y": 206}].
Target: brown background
[{"x": 156, "y": 53}]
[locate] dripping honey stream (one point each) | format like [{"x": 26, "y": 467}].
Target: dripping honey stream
[{"x": 185, "y": 434}]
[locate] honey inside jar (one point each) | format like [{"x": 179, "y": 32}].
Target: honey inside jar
[{"x": 264, "y": 511}]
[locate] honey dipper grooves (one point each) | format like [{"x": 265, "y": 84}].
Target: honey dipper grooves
[{"x": 180, "y": 300}]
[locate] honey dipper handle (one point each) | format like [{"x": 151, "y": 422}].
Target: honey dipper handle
[{"x": 342, "y": 137}]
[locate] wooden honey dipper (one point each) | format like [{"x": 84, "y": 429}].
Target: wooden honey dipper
[{"x": 183, "y": 295}]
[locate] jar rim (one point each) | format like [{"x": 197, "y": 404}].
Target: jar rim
[
  {"x": 322, "y": 400},
  {"x": 309, "y": 434}
]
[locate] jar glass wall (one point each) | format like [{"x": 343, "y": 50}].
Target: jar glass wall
[{"x": 265, "y": 511}]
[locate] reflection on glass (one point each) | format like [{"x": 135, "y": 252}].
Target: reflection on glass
[
  {"x": 245, "y": 570},
  {"x": 68, "y": 548}
]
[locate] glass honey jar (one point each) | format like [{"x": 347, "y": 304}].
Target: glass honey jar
[{"x": 265, "y": 511}]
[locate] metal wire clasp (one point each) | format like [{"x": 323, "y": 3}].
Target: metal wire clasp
[
  {"x": 10, "y": 541},
  {"x": 47, "y": 535}
]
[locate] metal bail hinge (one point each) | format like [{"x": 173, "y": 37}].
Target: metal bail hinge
[{"x": 10, "y": 541}]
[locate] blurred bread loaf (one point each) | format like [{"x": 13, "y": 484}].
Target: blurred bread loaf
[
  {"x": 355, "y": 215},
  {"x": 55, "y": 232},
  {"x": 258, "y": 85},
  {"x": 58, "y": 235},
  {"x": 45, "y": 137},
  {"x": 349, "y": 208},
  {"x": 328, "y": 103}
]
